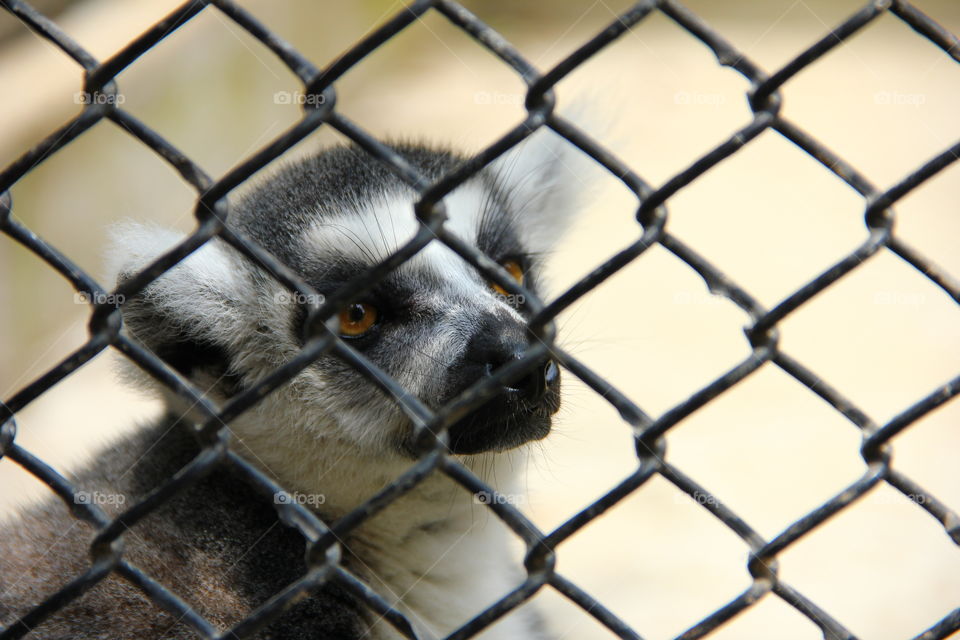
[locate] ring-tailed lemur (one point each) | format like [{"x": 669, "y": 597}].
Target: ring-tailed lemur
[{"x": 434, "y": 324}]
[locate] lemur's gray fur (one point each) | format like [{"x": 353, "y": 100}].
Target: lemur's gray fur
[{"x": 437, "y": 554}]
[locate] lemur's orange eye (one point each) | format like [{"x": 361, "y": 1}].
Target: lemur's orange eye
[
  {"x": 514, "y": 269},
  {"x": 357, "y": 319}
]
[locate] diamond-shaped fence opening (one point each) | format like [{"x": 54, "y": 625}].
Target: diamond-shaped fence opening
[{"x": 319, "y": 85}]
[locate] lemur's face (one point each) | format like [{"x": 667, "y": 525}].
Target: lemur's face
[{"x": 435, "y": 324}]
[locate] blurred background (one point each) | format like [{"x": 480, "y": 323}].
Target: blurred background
[{"x": 770, "y": 217}]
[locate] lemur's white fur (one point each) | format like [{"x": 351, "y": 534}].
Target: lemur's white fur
[
  {"x": 436, "y": 553},
  {"x": 470, "y": 539}
]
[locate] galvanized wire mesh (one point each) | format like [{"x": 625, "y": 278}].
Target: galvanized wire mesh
[{"x": 650, "y": 433}]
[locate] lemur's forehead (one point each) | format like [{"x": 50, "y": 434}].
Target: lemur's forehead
[{"x": 368, "y": 236}]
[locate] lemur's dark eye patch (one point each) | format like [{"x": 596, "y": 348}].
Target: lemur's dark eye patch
[
  {"x": 515, "y": 269},
  {"x": 356, "y": 319}
]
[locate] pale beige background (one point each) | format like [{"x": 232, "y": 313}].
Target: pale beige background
[{"x": 770, "y": 217}]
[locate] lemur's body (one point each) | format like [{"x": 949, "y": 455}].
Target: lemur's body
[{"x": 437, "y": 554}]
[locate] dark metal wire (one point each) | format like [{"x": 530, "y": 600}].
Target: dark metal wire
[{"x": 322, "y": 538}]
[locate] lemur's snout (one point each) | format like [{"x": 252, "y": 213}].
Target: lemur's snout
[
  {"x": 500, "y": 341},
  {"x": 523, "y": 410}
]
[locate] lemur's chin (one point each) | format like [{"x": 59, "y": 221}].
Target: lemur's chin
[
  {"x": 505, "y": 422},
  {"x": 494, "y": 434}
]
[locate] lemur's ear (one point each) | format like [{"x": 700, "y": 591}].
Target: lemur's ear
[
  {"x": 191, "y": 315},
  {"x": 548, "y": 180}
]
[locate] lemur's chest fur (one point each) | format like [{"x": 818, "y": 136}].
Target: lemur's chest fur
[
  {"x": 437, "y": 553},
  {"x": 447, "y": 577},
  {"x": 220, "y": 547}
]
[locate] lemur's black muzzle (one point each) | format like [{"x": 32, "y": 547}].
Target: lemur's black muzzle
[{"x": 521, "y": 412}]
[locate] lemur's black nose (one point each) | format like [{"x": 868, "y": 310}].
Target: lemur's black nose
[
  {"x": 533, "y": 386},
  {"x": 497, "y": 347}
]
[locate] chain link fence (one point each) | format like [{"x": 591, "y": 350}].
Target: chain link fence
[{"x": 650, "y": 433}]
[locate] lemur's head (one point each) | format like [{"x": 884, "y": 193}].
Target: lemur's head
[{"x": 435, "y": 324}]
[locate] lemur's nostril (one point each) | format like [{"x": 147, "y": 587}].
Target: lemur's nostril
[
  {"x": 551, "y": 372},
  {"x": 517, "y": 386},
  {"x": 534, "y": 385},
  {"x": 541, "y": 379}
]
